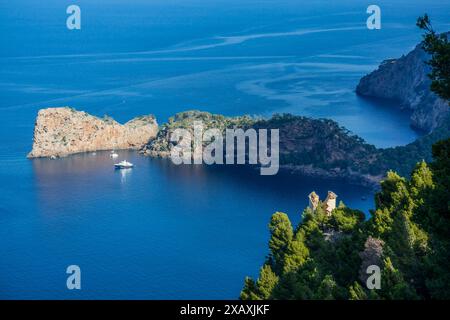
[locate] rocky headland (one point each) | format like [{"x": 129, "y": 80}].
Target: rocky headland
[
  {"x": 312, "y": 147},
  {"x": 406, "y": 81},
  {"x": 62, "y": 131}
]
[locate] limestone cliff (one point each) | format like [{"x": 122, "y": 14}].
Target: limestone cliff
[
  {"x": 64, "y": 131},
  {"x": 406, "y": 80}
]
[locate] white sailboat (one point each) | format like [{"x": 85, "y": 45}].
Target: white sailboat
[
  {"x": 113, "y": 154},
  {"x": 123, "y": 165}
]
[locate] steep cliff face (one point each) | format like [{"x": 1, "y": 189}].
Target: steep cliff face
[
  {"x": 405, "y": 80},
  {"x": 63, "y": 131}
]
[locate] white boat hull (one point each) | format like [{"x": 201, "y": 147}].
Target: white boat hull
[{"x": 120, "y": 166}]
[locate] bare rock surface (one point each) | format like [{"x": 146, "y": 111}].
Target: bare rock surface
[{"x": 62, "y": 131}]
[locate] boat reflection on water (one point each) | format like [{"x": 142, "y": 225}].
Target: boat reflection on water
[{"x": 124, "y": 173}]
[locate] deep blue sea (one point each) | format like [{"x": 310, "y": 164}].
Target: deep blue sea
[{"x": 160, "y": 231}]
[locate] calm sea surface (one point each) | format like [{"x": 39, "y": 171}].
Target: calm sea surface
[{"x": 162, "y": 231}]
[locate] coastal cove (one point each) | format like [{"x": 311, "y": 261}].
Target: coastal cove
[
  {"x": 166, "y": 231},
  {"x": 156, "y": 223}
]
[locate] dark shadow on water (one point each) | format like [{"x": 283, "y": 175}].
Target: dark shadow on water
[
  {"x": 394, "y": 108},
  {"x": 86, "y": 167}
]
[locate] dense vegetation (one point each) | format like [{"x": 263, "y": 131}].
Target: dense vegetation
[
  {"x": 403, "y": 159},
  {"x": 407, "y": 235},
  {"x": 161, "y": 145},
  {"x": 325, "y": 257}
]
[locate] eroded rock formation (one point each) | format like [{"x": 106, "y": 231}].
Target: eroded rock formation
[
  {"x": 330, "y": 202},
  {"x": 328, "y": 205},
  {"x": 63, "y": 131},
  {"x": 372, "y": 255},
  {"x": 313, "y": 200}
]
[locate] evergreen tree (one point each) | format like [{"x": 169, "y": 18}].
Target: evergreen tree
[
  {"x": 266, "y": 282},
  {"x": 393, "y": 285},
  {"x": 249, "y": 290},
  {"x": 328, "y": 289},
  {"x": 296, "y": 253},
  {"x": 281, "y": 234},
  {"x": 438, "y": 46},
  {"x": 357, "y": 292}
]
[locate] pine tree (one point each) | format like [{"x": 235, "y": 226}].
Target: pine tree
[
  {"x": 393, "y": 285},
  {"x": 328, "y": 289},
  {"x": 438, "y": 46},
  {"x": 357, "y": 292},
  {"x": 281, "y": 234},
  {"x": 296, "y": 254},
  {"x": 249, "y": 291},
  {"x": 266, "y": 282}
]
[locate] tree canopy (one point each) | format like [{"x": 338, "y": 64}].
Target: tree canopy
[
  {"x": 406, "y": 236},
  {"x": 326, "y": 257}
]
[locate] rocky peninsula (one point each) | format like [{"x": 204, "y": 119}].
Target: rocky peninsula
[
  {"x": 312, "y": 147},
  {"x": 62, "y": 131}
]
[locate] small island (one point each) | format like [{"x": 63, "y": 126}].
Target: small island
[{"x": 63, "y": 131}]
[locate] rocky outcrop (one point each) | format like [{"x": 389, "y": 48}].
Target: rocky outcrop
[
  {"x": 328, "y": 205},
  {"x": 313, "y": 200},
  {"x": 63, "y": 131},
  {"x": 406, "y": 80},
  {"x": 372, "y": 255},
  {"x": 330, "y": 202}
]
